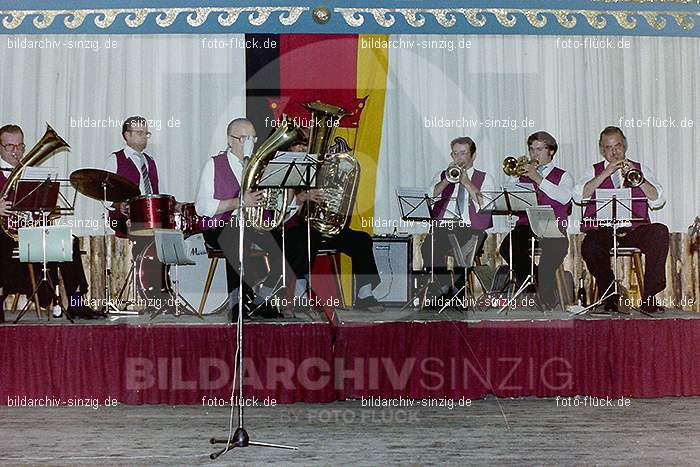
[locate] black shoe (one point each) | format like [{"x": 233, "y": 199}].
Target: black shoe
[
  {"x": 611, "y": 304},
  {"x": 368, "y": 303},
  {"x": 652, "y": 309},
  {"x": 83, "y": 312},
  {"x": 265, "y": 310}
]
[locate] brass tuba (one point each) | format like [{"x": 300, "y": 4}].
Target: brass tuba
[
  {"x": 47, "y": 146},
  {"x": 338, "y": 171},
  {"x": 271, "y": 211},
  {"x": 514, "y": 167}
]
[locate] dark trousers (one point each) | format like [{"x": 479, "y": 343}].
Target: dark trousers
[
  {"x": 227, "y": 239},
  {"x": 651, "y": 239},
  {"x": 554, "y": 251},
  {"x": 442, "y": 248},
  {"x": 14, "y": 275},
  {"x": 354, "y": 243}
]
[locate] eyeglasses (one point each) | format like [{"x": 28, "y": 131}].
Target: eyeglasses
[
  {"x": 11, "y": 147},
  {"x": 460, "y": 153},
  {"x": 242, "y": 138},
  {"x": 141, "y": 132}
]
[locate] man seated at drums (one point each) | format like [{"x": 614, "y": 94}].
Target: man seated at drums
[
  {"x": 134, "y": 164},
  {"x": 460, "y": 188},
  {"x": 14, "y": 276},
  {"x": 218, "y": 200},
  {"x": 652, "y": 238},
  {"x": 354, "y": 243},
  {"x": 553, "y": 187}
]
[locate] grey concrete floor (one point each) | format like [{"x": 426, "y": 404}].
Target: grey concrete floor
[{"x": 537, "y": 432}]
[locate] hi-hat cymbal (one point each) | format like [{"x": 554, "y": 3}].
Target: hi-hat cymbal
[{"x": 103, "y": 185}]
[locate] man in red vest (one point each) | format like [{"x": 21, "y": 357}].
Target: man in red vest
[
  {"x": 651, "y": 238},
  {"x": 13, "y": 274},
  {"x": 553, "y": 187},
  {"x": 132, "y": 163},
  {"x": 218, "y": 200},
  {"x": 463, "y": 197}
]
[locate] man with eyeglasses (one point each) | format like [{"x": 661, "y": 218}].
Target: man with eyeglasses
[
  {"x": 463, "y": 197},
  {"x": 14, "y": 276},
  {"x": 132, "y": 163},
  {"x": 218, "y": 200}
]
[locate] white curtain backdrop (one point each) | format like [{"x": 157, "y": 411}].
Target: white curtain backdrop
[
  {"x": 571, "y": 93},
  {"x": 165, "y": 78}
]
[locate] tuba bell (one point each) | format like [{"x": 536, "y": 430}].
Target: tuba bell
[
  {"x": 338, "y": 171},
  {"x": 49, "y": 144},
  {"x": 270, "y": 213}
]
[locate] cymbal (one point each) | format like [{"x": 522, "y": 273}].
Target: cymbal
[{"x": 117, "y": 188}]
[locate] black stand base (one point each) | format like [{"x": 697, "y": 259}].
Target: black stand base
[{"x": 241, "y": 439}]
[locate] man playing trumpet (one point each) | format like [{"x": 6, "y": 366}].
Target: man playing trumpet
[
  {"x": 554, "y": 187},
  {"x": 459, "y": 186},
  {"x": 616, "y": 171}
]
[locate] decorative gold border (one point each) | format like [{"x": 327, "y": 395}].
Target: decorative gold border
[
  {"x": 354, "y": 17},
  {"x": 447, "y": 17},
  {"x": 135, "y": 17}
]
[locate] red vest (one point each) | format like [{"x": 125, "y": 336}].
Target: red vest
[{"x": 478, "y": 221}]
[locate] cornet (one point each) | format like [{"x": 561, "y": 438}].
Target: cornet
[
  {"x": 515, "y": 167},
  {"x": 453, "y": 174},
  {"x": 633, "y": 177}
]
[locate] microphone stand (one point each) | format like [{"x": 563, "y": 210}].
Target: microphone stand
[{"x": 240, "y": 438}]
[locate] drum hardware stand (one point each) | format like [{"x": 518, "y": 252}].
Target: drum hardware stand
[
  {"x": 109, "y": 306},
  {"x": 614, "y": 288},
  {"x": 240, "y": 438},
  {"x": 129, "y": 282}
]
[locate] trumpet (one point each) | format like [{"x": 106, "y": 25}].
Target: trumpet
[
  {"x": 453, "y": 174},
  {"x": 633, "y": 177},
  {"x": 515, "y": 167}
]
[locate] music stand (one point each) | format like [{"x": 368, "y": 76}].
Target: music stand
[
  {"x": 509, "y": 203},
  {"x": 290, "y": 170},
  {"x": 417, "y": 205},
  {"x": 240, "y": 438},
  {"x": 464, "y": 258},
  {"x": 172, "y": 250},
  {"x": 40, "y": 196},
  {"x": 612, "y": 203}
]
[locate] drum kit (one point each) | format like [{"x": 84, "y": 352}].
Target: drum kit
[{"x": 146, "y": 214}]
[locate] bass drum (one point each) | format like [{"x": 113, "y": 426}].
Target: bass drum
[{"x": 192, "y": 278}]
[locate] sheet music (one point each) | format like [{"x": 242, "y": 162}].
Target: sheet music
[
  {"x": 624, "y": 206},
  {"x": 39, "y": 173},
  {"x": 543, "y": 222}
]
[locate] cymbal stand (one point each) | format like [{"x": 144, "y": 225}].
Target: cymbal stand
[{"x": 109, "y": 306}]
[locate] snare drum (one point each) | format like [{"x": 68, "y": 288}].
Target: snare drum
[{"x": 150, "y": 212}]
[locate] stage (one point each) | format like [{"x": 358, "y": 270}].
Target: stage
[{"x": 397, "y": 355}]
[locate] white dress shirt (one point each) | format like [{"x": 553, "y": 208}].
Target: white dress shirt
[
  {"x": 561, "y": 193},
  {"x": 648, "y": 175},
  {"x": 461, "y": 193},
  {"x": 137, "y": 158},
  {"x": 205, "y": 203}
]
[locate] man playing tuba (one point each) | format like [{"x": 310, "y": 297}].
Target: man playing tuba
[{"x": 14, "y": 276}]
